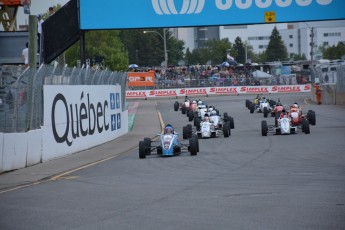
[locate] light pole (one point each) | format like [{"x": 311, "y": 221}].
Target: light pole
[
  {"x": 311, "y": 43},
  {"x": 164, "y": 41}
]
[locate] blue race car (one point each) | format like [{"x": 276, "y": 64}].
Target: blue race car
[{"x": 168, "y": 145}]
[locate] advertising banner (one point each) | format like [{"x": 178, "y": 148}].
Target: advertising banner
[
  {"x": 107, "y": 14},
  {"x": 141, "y": 79},
  {"x": 230, "y": 90},
  {"x": 79, "y": 117}
]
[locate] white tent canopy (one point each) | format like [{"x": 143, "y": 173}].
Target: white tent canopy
[{"x": 261, "y": 74}]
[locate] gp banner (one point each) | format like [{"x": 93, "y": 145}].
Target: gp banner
[
  {"x": 128, "y": 14},
  {"x": 230, "y": 90},
  {"x": 141, "y": 79}
]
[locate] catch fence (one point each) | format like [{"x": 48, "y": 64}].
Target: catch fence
[{"x": 21, "y": 91}]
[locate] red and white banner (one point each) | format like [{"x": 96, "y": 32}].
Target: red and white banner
[{"x": 229, "y": 90}]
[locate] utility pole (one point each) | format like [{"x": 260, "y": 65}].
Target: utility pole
[{"x": 312, "y": 45}]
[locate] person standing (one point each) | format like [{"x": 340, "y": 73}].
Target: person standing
[
  {"x": 25, "y": 55},
  {"x": 39, "y": 31},
  {"x": 51, "y": 11},
  {"x": 318, "y": 93}
]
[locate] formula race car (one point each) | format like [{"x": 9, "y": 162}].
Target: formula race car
[
  {"x": 207, "y": 129},
  {"x": 168, "y": 144},
  {"x": 284, "y": 126}
]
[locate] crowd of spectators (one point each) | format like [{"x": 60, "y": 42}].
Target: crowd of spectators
[{"x": 206, "y": 76}]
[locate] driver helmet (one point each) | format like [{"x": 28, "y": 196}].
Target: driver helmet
[
  {"x": 213, "y": 113},
  {"x": 279, "y": 103},
  {"x": 199, "y": 102},
  {"x": 168, "y": 129},
  {"x": 295, "y": 105},
  {"x": 210, "y": 109},
  {"x": 206, "y": 119},
  {"x": 194, "y": 102}
]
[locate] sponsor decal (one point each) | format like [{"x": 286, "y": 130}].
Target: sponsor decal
[
  {"x": 84, "y": 118},
  {"x": 140, "y": 79},
  {"x": 254, "y": 89},
  {"x": 307, "y": 87},
  {"x": 159, "y": 93},
  {"x": 223, "y": 90},
  {"x": 135, "y": 94},
  {"x": 168, "y": 7},
  {"x": 193, "y": 91},
  {"x": 286, "y": 89}
]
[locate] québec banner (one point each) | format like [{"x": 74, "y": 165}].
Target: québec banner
[{"x": 127, "y": 14}]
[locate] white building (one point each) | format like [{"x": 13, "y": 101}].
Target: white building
[{"x": 296, "y": 36}]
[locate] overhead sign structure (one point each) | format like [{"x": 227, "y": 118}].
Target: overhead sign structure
[{"x": 130, "y": 14}]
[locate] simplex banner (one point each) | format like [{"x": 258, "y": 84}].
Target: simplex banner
[
  {"x": 127, "y": 14},
  {"x": 228, "y": 90}
]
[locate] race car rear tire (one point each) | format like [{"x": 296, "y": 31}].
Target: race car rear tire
[
  {"x": 142, "y": 150},
  {"x": 226, "y": 129},
  {"x": 226, "y": 117},
  {"x": 252, "y": 108},
  {"x": 197, "y": 123},
  {"x": 197, "y": 141},
  {"x": 264, "y": 128},
  {"x": 305, "y": 127},
  {"x": 185, "y": 132},
  {"x": 176, "y": 106},
  {"x": 232, "y": 123},
  {"x": 193, "y": 148},
  {"x": 190, "y": 115},
  {"x": 147, "y": 141},
  {"x": 183, "y": 110},
  {"x": 265, "y": 111},
  {"x": 311, "y": 117}
]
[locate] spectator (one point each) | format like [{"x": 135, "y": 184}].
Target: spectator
[
  {"x": 51, "y": 11},
  {"x": 39, "y": 31},
  {"x": 25, "y": 55}
]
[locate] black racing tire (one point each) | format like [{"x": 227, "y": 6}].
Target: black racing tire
[
  {"x": 226, "y": 129},
  {"x": 252, "y": 108},
  {"x": 232, "y": 123},
  {"x": 306, "y": 127},
  {"x": 265, "y": 111},
  {"x": 176, "y": 106},
  {"x": 193, "y": 146},
  {"x": 197, "y": 123},
  {"x": 142, "y": 150},
  {"x": 264, "y": 128},
  {"x": 311, "y": 117},
  {"x": 147, "y": 141},
  {"x": 226, "y": 117},
  {"x": 197, "y": 141},
  {"x": 183, "y": 109},
  {"x": 190, "y": 115},
  {"x": 185, "y": 132}
]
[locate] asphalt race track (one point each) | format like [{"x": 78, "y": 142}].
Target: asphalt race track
[{"x": 246, "y": 181}]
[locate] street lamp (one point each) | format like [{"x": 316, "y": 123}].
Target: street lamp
[
  {"x": 311, "y": 42},
  {"x": 165, "y": 43}
]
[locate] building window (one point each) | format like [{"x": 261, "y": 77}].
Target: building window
[
  {"x": 291, "y": 45},
  {"x": 325, "y": 43},
  {"x": 335, "y": 34},
  {"x": 291, "y": 36}
]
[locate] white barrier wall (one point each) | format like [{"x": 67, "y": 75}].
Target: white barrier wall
[
  {"x": 99, "y": 119},
  {"x": 228, "y": 90}
]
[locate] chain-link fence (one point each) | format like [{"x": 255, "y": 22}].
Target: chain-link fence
[{"x": 21, "y": 91}]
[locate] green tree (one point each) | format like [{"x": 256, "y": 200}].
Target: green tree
[
  {"x": 147, "y": 49},
  {"x": 101, "y": 43},
  {"x": 240, "y": 49},
  {"x": 276, "y": 50},
  {"x": 334, "y": 52}
]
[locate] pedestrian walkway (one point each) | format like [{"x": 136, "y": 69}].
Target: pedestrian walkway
[{"x": 146, "y": 124}]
